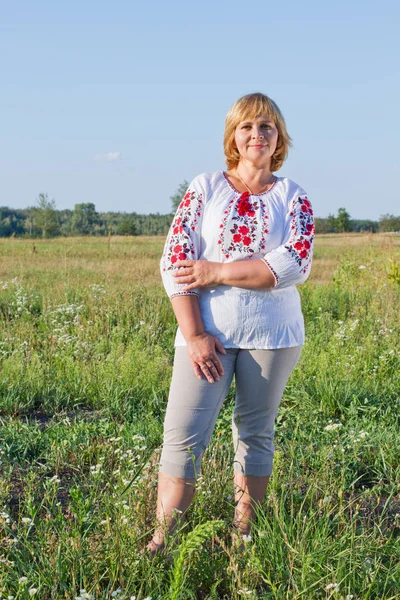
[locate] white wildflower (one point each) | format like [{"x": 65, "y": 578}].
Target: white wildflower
[
  {"x": 332, "y": 586},
  {"x": 247, "y": 538},
  {"x": 26, "y": 520},
  {"x": 332, "y": 426},
  {"x": 262, "y": 533},
  {"x": 22, "y": 580},
  {"x": 362, "y": 267},
  {"x": 32, "y": 591}
]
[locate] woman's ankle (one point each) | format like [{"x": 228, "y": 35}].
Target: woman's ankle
[
  {"x": 155, "y": 546},
  {"x": 241, "y": 527}
]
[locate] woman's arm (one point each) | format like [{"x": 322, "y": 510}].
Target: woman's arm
[
  {"x": 288, "y": 264},
  {"x": 183, "y": 241},
  {"x": 202, "y": 346},
  {"x": 249, "y": 274}
]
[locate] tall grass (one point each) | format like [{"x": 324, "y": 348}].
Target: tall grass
[{"x": 86, "y": 349}]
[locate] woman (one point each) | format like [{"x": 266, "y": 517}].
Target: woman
[{"x": 240, "y": 242}]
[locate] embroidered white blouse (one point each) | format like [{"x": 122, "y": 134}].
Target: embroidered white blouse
[{"x": 216, "y": 222}]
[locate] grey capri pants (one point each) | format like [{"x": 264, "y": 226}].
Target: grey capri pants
[{"x": 194, "y": 405}]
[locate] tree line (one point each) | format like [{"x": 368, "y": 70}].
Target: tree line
[
  {"x": 342, "y": 223},
  {"x": 44, "y": 220}
]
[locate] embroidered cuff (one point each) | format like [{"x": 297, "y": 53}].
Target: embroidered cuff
[
  {"x": 188, "y": 293},
  {"x": 274, "y": 273}
]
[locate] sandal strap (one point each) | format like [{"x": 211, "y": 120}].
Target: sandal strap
[{"x": 236, "y": 527}]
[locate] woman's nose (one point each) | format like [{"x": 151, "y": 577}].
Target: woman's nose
[{"x": 257, "y": 133}]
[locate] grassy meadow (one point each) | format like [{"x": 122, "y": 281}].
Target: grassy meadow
[{"x": 86, "y": 350}]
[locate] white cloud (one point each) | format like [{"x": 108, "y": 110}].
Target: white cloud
[{"x": 108, "y": 156}]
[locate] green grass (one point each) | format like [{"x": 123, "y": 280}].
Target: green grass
[{"x": 86, "y": 349}]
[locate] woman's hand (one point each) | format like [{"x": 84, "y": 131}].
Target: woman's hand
[
  {"x": 198, "y": 273},
  {"x": 202, "y": 350}
]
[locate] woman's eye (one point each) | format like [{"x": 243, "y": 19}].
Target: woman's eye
[{"x": 265, "y": 125}]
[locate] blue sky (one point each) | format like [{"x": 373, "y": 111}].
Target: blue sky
[{"x": 118, "y": 103}]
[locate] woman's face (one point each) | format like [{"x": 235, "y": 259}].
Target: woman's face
[{"x": 256, "y": 140}]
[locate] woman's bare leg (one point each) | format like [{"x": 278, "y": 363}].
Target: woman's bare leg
[
  {"x": 174, "y": 498},
  {"x": 249, "y": 491}
]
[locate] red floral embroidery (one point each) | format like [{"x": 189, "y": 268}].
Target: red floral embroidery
[
  {"x": 244, "y": 207},
  {"x": 243, "y": 222},
  {"x": 179, "y": 244},
  {"x": 302, "y": 232}
]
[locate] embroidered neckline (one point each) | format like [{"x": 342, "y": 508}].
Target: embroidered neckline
[{"x": 237, "y": 191}]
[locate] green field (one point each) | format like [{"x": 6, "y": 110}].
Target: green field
[{"x": 86, "y": 349}]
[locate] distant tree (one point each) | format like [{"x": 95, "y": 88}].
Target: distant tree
[
  {"x": 322, "y": 225},
  {"x": 332, "y": 223},
  {"x": 84, "y": 218},
  {"x": 127, "y": 226},
  {"x": 45, "y": 216},
  {"x": 364, "y": 225},
  {"x": 65, "y": 220},
  {"x": 343, "y": 221},
  {"x": 176, "y": 199},
  {"x": 11, "y": 221},
  {"x": 389, "y": 223}
]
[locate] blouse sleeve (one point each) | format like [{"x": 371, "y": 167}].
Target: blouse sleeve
[
  {"x": 290, "y": 262},
  {"x": 183, "y": 240}
]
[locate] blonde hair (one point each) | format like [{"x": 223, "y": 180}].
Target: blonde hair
[{"x": 252, "y": 106}]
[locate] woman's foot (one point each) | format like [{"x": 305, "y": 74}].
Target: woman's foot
[
  {"x": 154, "y": 547},
  {"x": 241, "y": 536}
]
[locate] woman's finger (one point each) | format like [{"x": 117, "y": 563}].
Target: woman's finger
[
  {"x": 185, "y": 279},
  {"x": 219, "y": 346},
  {"x": 207, "y": 373},
  {"x": 185, "y": 263},
  {"x": 182, "y": 279},
  {"x": 218, "y": 366},
  {"x": 182, "y": 272},
  {"x": 196, "y": 369},
  {"x": 213, "y": 370}
]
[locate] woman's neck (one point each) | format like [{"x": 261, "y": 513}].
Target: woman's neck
[
  {"x": 248, "y": 177},
  {"x": 253, "y": 176}
]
